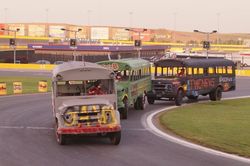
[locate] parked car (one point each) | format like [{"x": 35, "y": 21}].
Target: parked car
[{"x": 42, "y": 62}]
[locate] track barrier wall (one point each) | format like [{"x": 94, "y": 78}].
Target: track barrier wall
[{"x": 49, "y": 67}]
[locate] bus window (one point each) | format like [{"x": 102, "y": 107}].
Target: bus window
[
  {"x": 229, "y": 70},
  {"x": 189, "y": 71},
  {"x": 86, "y": 87},
  {"x": 219, "y": 70},
  {"x": 195, "y": 72},
  {"x": 200, "y": 70},
  {"x": 122, "y": 75},
  {"x": 210, "y": 70},
  {"x": 224, "y": 70}
]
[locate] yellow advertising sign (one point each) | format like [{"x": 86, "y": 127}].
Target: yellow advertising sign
[
  {"x": 17, "y": 87},
  {"x": 3, "y": 88},
  {"x": 42, "y": 86}
]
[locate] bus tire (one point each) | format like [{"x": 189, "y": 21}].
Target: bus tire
[
  {"x": 216, "y": 94},
  {"x": 115, "y": 137},
  {"x": 60, "y": 138},
  {"x": 179, "y": 98},
  {"x": 151, "y": 100},
  {"x": 141, "y": 102}
]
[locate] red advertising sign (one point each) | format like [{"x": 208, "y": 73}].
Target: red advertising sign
[{"x": 2, "y": 26}]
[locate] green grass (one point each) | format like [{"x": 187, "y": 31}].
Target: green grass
[
  {"x": 30, "y": 84},
  {"x": 222, "y": 125}
]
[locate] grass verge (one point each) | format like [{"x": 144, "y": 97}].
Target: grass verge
[
  {"x": 222, "y": 125},
  {"x": 29, "y": 84}
]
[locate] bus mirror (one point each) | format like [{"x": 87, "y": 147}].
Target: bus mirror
[
  {"x": 112, "y": 75},
  {"x": 58, "y": 77}
]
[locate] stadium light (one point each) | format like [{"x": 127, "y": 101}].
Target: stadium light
[
  {"x": 206, "y": 44},
  {"x": 12, "y": 41},
  {"x": 73, "y": 42},
  {"x": 137, "y": 43}
]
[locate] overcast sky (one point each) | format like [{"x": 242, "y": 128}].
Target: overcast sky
[{"x": 182, "y": 15}]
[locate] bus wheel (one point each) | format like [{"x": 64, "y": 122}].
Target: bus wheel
[
  {"x": 115, "y": 137},
  {"x": 60, "y": 138},
  {"x": 216, "y": 94},
  {"x": 192, "y": 97},
  {"x": 125, "y": 110},
  {"x": 151, "y": 100},
  {"x": 141, "y": 102},
  {"x": 179, "y": 98}
]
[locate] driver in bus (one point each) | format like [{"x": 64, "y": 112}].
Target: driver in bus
[
  {"x": 118, "y": 75},
  {"x": 181, "y": 73},
  {"x": 96, "y": 90}
]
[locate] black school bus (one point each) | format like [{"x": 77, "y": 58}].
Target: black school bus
[{"x": 175, "y": 79}]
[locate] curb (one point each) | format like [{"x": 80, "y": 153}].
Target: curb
[{"x": 153, "y": 129}]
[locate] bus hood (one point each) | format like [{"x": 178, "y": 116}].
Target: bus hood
[{"x": 86, "y": 101}]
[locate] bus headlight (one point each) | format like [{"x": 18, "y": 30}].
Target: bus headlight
[{"x": 68, "y": 115}]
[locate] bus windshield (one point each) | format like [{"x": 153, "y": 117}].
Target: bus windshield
[
  {"x": 85, "y": 87},
  {"x": 122, "y": 75}
]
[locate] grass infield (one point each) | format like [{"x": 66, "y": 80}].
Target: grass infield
[
  {"x": 29, "y": 84},
  {"x": 222, "y": 125}
]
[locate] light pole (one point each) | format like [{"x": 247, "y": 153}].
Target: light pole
[
  {"x": 89, "y": 22},
  {"x": 207, "y": 35},
  {"x": 12, "y": 42},
  {"x": 138, "y": 47},
  {"x": 75, "y": 45},
  {"x": 218, "y": 27}
]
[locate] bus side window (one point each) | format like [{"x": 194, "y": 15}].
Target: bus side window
[
  {"x": 189, "y": 71},
  {"x": 195, "y": 71},
  {"x": 210, "y": 70},
  {"x": 229, "y": 70}
]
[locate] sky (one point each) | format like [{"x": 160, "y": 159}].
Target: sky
[{"x": 226, "y": 16}]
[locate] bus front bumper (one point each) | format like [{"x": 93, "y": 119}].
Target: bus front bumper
[{"x": 89, "y": 130}]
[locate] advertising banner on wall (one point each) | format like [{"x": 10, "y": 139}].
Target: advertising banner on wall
[
  {"x": 120, "y": 34},
  {"x": 3, "y": 88},
  {"x": 81, "y": 34},
  {"x": 36, "y": 30},
  {"x": 99, "y": 33},
  {"x": 162, "y": 35},
  {"x": 2, "y": 26},
  {"x": 21, "y": 28},
  {"x": 145, "y": 36},
  {"x": 55, "y": 31},
  {"x": 17, "y": 87}
]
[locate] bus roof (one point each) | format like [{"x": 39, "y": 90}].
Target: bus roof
[
  {"x": 194, "y": 62},
  {"x": 128, "y": 63},
  {"x": 74, "y": 66}
]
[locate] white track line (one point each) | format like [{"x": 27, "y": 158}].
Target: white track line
[
  {"x": 149, "y": 124},
  {"x": 23, "y": 127}
]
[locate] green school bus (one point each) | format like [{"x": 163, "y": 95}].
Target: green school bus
[{"x": 133, "y": 79}]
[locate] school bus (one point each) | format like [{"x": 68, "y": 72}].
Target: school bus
[
  {"x": 176, "y": 78},
  {"x": 84, "y": 101},
  {"x": 133, "y": 79}
]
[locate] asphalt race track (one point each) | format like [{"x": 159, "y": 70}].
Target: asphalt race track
[{"x": 27, "y": 138}]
